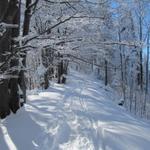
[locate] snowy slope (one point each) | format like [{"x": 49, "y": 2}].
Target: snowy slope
[{"x": 76, "y": 116}]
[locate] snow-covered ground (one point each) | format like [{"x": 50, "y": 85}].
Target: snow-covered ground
[{"x": 77, "y": 116}]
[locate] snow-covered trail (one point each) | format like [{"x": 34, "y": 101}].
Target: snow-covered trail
[{"x": 77, "y": 116}]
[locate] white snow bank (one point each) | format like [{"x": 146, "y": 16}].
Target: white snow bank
[{"x": 76, "y": 116}]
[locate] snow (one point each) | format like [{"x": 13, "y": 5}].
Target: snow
[{"x": 80, "y": 115}]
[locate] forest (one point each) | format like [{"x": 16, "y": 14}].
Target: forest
[
  {"x": 42, "y": 41},
  {"x": 39, "y": 39}
]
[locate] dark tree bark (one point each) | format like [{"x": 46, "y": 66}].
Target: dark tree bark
[
  {"x": 26, "y": 26},
  {"x": 147, "y": 76},
  {"x": 27, "y": 18},
  {"x": 141, "y": 54},
  {"x": 4, "y": 46},
  {"x": 8, "y": 86},
  {"x": 106, "y": 73},
  {"x": 13, "y": 82},
  {"x": 60, "y": 68}
]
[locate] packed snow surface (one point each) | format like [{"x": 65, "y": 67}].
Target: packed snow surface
[{"x": 77, "y": 116}]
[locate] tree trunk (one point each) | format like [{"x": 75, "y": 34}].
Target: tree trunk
[
  {"x": 9, "y": 13},
  {"x": 147, "y": 76},
  {"x": 26, "y": 27},
  {"x": 13, "y": 83},
  {"x": 122, "y": 70},
  {"x": 106, "y": 73},
  {"x": 141, "y": 55}
]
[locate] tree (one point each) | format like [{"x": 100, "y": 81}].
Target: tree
[
  {"x": 9, "y": 15},
  {"x": 26, "y": 26}
]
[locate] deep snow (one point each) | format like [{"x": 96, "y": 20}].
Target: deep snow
[{"x": 77, "y": 116}]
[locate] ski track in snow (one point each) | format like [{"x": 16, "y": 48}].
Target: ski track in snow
[{"x": 77, "y": 116}]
